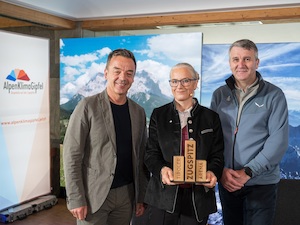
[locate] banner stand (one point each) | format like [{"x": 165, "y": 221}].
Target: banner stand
[{"x": 22, "y": 211}]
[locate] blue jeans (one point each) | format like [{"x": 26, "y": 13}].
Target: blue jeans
[{"x": 252, "y": 205}]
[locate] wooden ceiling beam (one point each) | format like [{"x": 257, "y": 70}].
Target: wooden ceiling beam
[
  {"x": 7, "y": 23},
  {"x": 150, "y": 22},
  {"x": 34, "y": 17}
]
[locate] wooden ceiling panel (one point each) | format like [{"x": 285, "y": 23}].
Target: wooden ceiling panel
[
  {"x": 192, "y": 19},
  {"x": 16, "y": 16},
  {"x": 34, "y": 17},
  {"x": 8, "y": 23}
]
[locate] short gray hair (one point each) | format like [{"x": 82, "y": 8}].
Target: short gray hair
[
  {"x": 191, "y": 69},
  {"x": 246, "y": 44}
]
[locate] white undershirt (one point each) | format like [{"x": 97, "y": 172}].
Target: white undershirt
[{"x": 183, "y": 116}]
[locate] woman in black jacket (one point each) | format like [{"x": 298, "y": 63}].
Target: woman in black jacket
[{"x": 170, "y": 125}]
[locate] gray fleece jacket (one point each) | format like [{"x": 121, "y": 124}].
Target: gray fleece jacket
[{"x": 260, "y": 139}]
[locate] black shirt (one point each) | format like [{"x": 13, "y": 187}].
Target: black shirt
[{"x": 124, "y": 171}]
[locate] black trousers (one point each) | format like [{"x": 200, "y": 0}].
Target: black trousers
[{"x": 184, "y": 213}]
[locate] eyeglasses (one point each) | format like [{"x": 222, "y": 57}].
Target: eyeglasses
[{"x": 184, "y": 82}]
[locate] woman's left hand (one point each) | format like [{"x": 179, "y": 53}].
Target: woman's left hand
[{"x": 211, "y": 178}]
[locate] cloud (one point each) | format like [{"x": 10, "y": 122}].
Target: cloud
[
  {"x": 67, "y": 90},
  {"x": 177, "y": 47},
  {"x": 141, "y": 52},
  {"x": 170, "y": 49},
  {"x": 61, "y": 44},
  {"x": 158, "y": 72},
  {"x": 96, "y": 68},
  {"x": 103, "y": 52},
  {"x": 70, "y": 73},
  {"x": 289, "y": 86},
  {"x": 78, "y": 70},
  {"x": 78, "y": 60},
  {"x": 215, "y": 66},
  {"x": 139, "y": 85},
  {"x": 77, "y": 79},
  {"x": 272, "y": 52},
  {"x": 279, "y": 67},
  {"x": 63, "y": 100}
]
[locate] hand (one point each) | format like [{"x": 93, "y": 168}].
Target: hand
[
  {"x": 243, "y": 177},
  {"x": 233, "y": 180},
  {"x": 211, "y": 177},
  {"x": 167, "y": 176},
  {"x": 79, "y": 213},
  {"x": 139, "y": 209}
]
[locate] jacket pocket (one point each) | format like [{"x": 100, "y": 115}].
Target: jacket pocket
[{"x": 207, "y": 131}]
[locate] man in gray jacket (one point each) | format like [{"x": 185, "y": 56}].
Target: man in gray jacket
[
  {"x": 254, "y": 117},
  {"x": 104, "y": 150}
]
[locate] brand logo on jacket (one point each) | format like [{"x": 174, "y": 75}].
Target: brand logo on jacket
[{"x": 258, "y": 105}]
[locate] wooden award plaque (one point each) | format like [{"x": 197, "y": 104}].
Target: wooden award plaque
[
  {"x": 178, "y": 168},
  {"x": 190, "y": 160},
  {"x": 186, "y": 169},
  {"x": 201, "y": 171}
]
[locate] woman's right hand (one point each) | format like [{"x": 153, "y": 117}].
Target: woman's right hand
[{"x": 167, "y": 176}]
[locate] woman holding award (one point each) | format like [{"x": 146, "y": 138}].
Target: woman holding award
[{"x": 183, "y": 128}]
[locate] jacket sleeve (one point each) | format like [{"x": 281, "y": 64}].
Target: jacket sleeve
[
  {"x": 216, "y": 157},
  {"x": 143, "y": 172},
  {"x": 153, "y": 157},
  {"x": 214, "y": 101},
  {"x": 277, "y": 142},
  {"x": 73, "y": 151}
]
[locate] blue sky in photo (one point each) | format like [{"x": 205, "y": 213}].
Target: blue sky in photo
[{"x": 82, "y": 58}]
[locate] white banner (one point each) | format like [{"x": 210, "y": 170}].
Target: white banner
[{"x": 24, "y": 118}]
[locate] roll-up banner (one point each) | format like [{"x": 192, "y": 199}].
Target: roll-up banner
[{"x": 24, "y": 119}]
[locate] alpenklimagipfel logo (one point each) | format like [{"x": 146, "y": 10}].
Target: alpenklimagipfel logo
[{"x": 18, "y": 82}]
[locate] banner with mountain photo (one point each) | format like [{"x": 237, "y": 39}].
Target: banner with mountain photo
[{"x": 82, "y": 63}]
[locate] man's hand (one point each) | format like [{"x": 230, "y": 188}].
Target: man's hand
[
  {"x": 139, "y": 209},
  {"x": 243, "y": 177},
  {"x": 233, "y": 180},
  {"x": 79, "y": 213}
]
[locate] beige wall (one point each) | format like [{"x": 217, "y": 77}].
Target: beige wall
[{"x": 264, "y": 33}]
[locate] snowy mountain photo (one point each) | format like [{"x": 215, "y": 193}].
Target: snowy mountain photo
[{"x": 83, "y": 61}]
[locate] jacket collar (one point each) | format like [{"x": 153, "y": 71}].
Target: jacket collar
[
  {"x": 195, "y": 107},
  {"x": 230, "y": 81}
]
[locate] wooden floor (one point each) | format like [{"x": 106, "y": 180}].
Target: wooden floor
[
  {"x": 57, "y": 215},
  {"x": 287, "y": 211}
]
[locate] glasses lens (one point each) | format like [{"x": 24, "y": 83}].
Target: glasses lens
[
  {"x": 173, "y": 83},
  {"x": 185, "y": 82}
]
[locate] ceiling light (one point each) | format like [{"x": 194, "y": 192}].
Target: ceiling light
[{"x": 211, "y": 25}]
